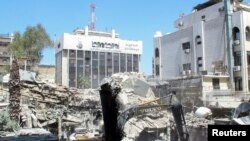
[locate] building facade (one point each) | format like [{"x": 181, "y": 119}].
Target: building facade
[
  {"x": 5, "y": 40},
  {"x": 198, "y": 47},
  {"x": 93, "y": 56}
]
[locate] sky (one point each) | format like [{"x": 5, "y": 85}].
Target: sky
[{"x": 131, "y": 19}]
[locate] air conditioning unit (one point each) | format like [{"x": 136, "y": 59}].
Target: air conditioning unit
[
  {"x": 236, "y": 68},
  {"x": 183, "y": 73},
  {"x": 187, "y": 50},
  {"x": 188, "y": 72},
  {"x": 236, "y": 42},
  {"x": 204, "y": 72}
]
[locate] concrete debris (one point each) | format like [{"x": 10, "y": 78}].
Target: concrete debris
[
  {"x": 134, "y": 88},
  {"x": 136, "y": 125},
  {"x": 131, "y": 90},
  {"x": 193, "y": 121},
  {"x": 58, "y": 109},
  {"x": 137, "y": 112}
]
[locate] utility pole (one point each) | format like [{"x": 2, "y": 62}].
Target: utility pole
[{"x": 230, "y": 59}]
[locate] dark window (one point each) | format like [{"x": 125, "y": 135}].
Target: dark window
[
  {"x": 95, "y": 55},
  {"x": 248, "y": 33},
  {"x": 237, "y": 59},
  {"x": 198, "y": 40},
  {"x": 116, "y": 62},
  {"x": 72, "y": 53},
  {"x": 186, "y": 45},
  {"x": 216, "y": 83},
  {"x": 122, "y": 62},
  {"x": 109, "y": 64},
  {"x": 135, "y": 63},
  {"x": 129, "y": 63},
  {"x": 238, "y": 83},
  {"x": 102, "y": 66},
  {"x": 236, "y": 33},
  {"x": 156, "y": 52},
  {"x": 4, "y": 44},
  {"x": 80, "y": 54},
  {"x": 157, "y": 70},
  {"x": 187, "y": 66},
  {"x": 203, "y": 17},
  {"x": 87, "y": 63}
]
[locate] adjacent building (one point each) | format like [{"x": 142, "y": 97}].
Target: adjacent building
[
  {"x": 5, "y": 40},
  {"x": 94, "y": 55},
  {"x": 199, "y": 48}
]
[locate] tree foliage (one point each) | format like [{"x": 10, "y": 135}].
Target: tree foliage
[
  {"x": 83, "y": 82},
  {"x": 31, "y": 43}
]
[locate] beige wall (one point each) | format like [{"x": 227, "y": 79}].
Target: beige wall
[{"x": 208, "y": 85}]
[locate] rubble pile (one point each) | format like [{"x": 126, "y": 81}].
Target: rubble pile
[
  {"x": 193, "y": 121},
  {"x": 133, "y": 92},
  {"x": 44, "y": 105},
  {"x": 58, "y": 109},
  {"x": 136, "y": 125},
  {"x": 134, "y": 88}
]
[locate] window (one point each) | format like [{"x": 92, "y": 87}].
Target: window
[
  {"x": 80, "y": 54},
  {"x": 198, "y": 40},
  {"x": 216, "y": 83},
  {"x": 157, "y": 70},
  {"x": 72, "y": 53},
  {"x": 156, "y": 52},
  {"x": 203, "y": 17},
  {"x": 4, "y": 60},
  {"x": 186, "y": 45},
  {"x": 186, "y": 66},
  {"x": 199, "y": 61},
  {"x": 238, "y": 83},
  {"x": 248, "y": 33},
  {"x": 236, "y": 33},
  {"x": 237, "y": 59}
]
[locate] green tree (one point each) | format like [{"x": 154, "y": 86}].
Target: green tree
[
  {"x": 83, "y": 82},
  {"x": 30, "y": 44}
]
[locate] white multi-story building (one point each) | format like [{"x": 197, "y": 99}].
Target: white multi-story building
[
  {"x": 199, "y": 47},
  {"x": 94, "y": 55}
]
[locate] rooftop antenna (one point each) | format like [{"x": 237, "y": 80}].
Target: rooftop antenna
[{"x": 92, "y": 10}]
